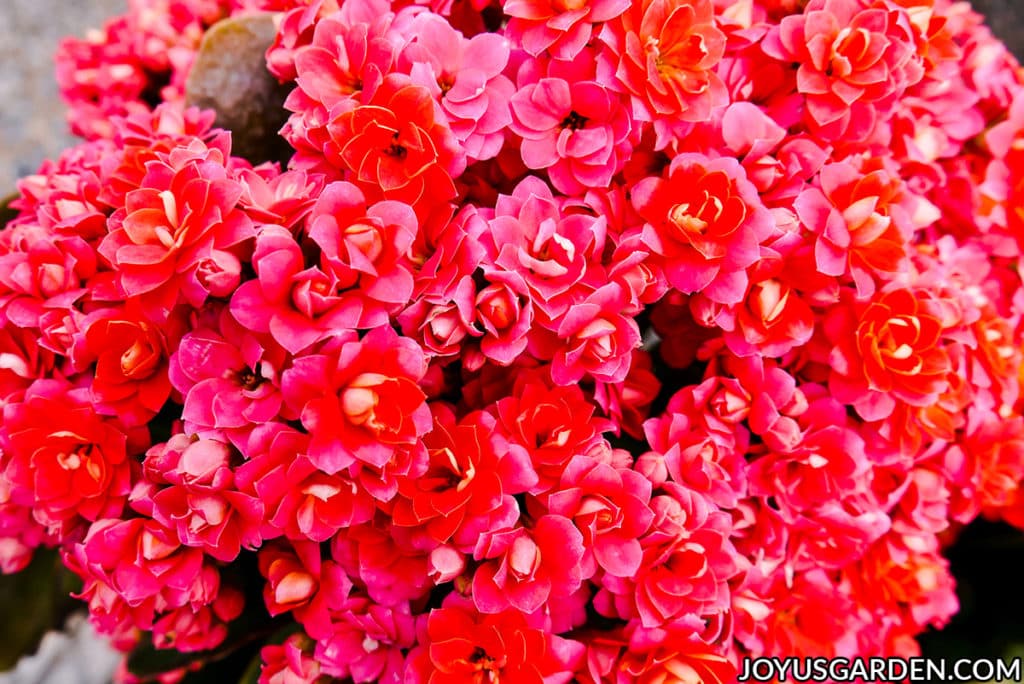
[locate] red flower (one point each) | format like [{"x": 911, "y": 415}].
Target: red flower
[
  {"x": 64, "y": 460},
  {"x": 396, "y": 146},
  {"x": 469, "y": 486},
  {"x": 182, "y": 216},
  {"x": 457, "y": 645},
  {"x": 707, "y": 222},
  {"x": 131, "y": 357},
  {"x": 553, "y": 424}
]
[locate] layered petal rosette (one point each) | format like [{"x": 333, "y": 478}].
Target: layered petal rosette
[
  {"x": 707, "y": 222},
  {"x": 62, "y": 459},
  {"x": 173, "y": 229},
  {"x": 362, "y": 401},
  {"x": 397, "y": 145}
]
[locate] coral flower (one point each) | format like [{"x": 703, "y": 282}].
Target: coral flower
[
  {"x": 892, "y": 351},
  {"x": 664, "y": 52},
  {"x": 863, "y": 219},
  {"x": 854, "y": 61},
  {"x": 707, "y": 222}
]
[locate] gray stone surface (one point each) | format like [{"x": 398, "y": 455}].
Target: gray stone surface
[
  {"x": 76, "y": 656},
  {"x": 31, "y": 115}
]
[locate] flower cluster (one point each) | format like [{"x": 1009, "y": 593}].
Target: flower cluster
[{"x": 602, "y": 341}]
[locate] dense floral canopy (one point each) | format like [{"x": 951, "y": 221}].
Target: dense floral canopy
[{"x": 576, "y": 340}]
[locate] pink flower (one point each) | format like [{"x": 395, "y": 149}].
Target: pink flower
[
  {"x": 700, "y": 442},
  {"x": 283, "y": 199},
  {"x": 576, "y": 128},
  {"x": 184, "y": 213},
  {"x": 310, "y": 504},
  {"x": 687, "y": 563},
  {"x": 201, "y": 503},
  {"x": 189, "y": 629},
  {"x": 553, "y": 424},
  {"x": 365, "y": 247},
  {"x": 299, "y": 581},
  {"x": 228, "y": 378},
  {"x": 465, "y": 75},
  {"x": 551, "y": 249},
  {"x": 609, "y": 507},
  {"x": 393, "y": 573},
  {"x": 346, "y": 55},
  {"x": 135, "y": 570},
  {"x": 43, "y": 272},
  {"x": 370, "y": 387},
  {"x": 562, "y": 28},
  {"x": 595, "y": 339},
  {"x": 505, "y": 311},
  {"x": 854, "y": 62},
  {"x": 707, "y": 222},
  {"x": 367, "y": 642},
  {"x": 20, "y": 534},
  {"x": 528, "y": 565},
  {"x": 828, "y": 462},
  {"x": 296, "y": 305},
  {"x": 289, "y": 663}
]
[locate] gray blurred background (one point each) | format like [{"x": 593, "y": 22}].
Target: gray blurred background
[{"x": 31, "y": 115}]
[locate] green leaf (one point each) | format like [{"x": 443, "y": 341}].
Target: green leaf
[
  {"x": 252, "y": 673},
  {"x": 36, "y": 600}
]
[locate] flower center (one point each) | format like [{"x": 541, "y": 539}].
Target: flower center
[
  {"x": 366, "y": 238},
  {"x": 682, "y": 219},
  {"x": 360, "y": 399},
  {"x": 395, "y": 149},
  {"x": 487, "y": 668},
  {"x": 249, "y": 379},
  {"x": 574, "y": 121},
  {"x": 138, "y": 361}
]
